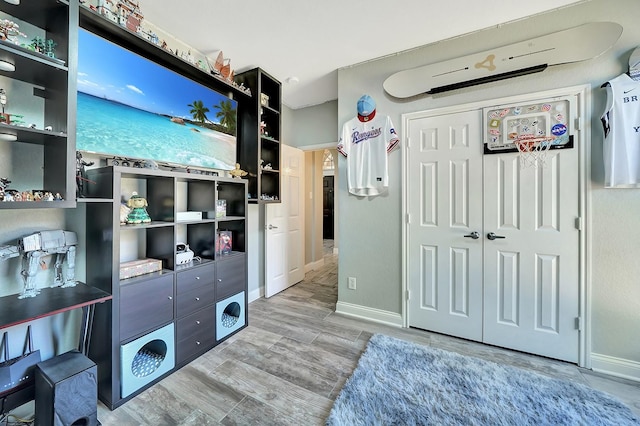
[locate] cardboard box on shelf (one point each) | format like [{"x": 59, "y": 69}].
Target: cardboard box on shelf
[{"x": 138, "y": 267}]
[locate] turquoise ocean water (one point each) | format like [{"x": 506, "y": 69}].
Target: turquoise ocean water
[{"x": 114, "y": 129}]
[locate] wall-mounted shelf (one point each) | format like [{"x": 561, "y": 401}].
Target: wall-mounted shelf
[
  {"x": 259, "y": 145},
  {"x": 48, "y": 86},
  {"x": 121, "y": 36}
]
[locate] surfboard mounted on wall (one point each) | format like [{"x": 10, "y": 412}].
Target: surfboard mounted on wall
[{"x": 576, "y": 44}]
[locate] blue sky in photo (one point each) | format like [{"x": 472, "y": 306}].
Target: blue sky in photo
[{"x": 108, "y": 71}]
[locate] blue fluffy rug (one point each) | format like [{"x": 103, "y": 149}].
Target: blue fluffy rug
[{"x": 401, "y": 383}]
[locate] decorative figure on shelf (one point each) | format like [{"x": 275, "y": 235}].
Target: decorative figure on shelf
[
  {"x": 237, "y": 172},
  {"x": 10, "y": 29},
  {"x": 263, "y": 128},
  {"x": 81, "y": 175},
  {"x": 50, "y": 48},
  {"x": 4, "y": 117},
  {"x": 124, "y": 212},
  {"x": 4, "y": 182},
  {"x": 138, "y": 206},
  {"x": 38, "y": 44},
  {"x": 34, "y": 247}
]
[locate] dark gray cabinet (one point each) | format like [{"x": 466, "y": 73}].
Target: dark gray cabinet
[
  {"x": 181, "y": 294},
  {"x": 145, "y": 306}
]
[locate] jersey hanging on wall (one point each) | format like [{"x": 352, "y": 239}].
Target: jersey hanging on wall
[
  {"x": 621, "y": 121},
  {"x": 366, "y": 141}
]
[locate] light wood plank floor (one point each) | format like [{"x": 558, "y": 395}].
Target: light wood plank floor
[{"x": 289, "y": 364}]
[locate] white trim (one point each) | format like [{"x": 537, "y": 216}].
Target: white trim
[
  {"x": 336, "y": 250},
  {"x": 319, "y": 146},
  {"x": 585, "y": 184},
  {"x": 618, "y": 367},
  {"x": 313, "y": 265},
  {"x": 256, "y": 294},
  {"x": 582, "y": 92},
  {"x": 371, "y": 314}
]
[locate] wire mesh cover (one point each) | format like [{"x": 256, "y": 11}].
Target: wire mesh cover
[
  {"x": 533, "y": 151},
  {"x": 228, "y": 320},
  {"x": 145, "y": 362}
]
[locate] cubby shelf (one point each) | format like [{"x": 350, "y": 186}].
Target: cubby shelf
[{"x": 178, "y": 294}]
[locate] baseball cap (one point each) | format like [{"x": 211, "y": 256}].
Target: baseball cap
[{"x": 366, "y": 105}]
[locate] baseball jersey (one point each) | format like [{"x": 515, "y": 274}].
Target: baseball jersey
[
  {"x": 621, "y": 122},
  {"x": 366, "y": 145}
]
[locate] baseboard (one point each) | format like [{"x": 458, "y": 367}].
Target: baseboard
[
  {"x": 371, "y": 314},
  {"x": 256, "y": 294},
  {"x": 313, "y": 265},
  {"x": 618, "y": 367}
]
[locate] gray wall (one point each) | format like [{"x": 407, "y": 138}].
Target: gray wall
[
  {"x": 371, "y": 245},
  {"x": 316, "y": 125}
]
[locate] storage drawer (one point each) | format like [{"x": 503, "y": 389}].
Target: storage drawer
[
  {"x": 145, "y": 305},
  {"x": 190, "y": 301},
  {"x": 231, "y": 277},
  {"x": 195, "y": 333},
  {"x": 195, "y": 277}
]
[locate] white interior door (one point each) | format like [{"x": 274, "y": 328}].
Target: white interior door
[
  {"x": 284, "y": 226},
  {"x": 520, "y": 291},
  {"x": 445, "y": 205},
  {"x": 531, "y": 276}
]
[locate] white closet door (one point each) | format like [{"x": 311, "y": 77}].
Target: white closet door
[{"x": 445, "y": 188}]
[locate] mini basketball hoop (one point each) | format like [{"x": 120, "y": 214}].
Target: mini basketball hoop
[{"x": 533, "y": 150}]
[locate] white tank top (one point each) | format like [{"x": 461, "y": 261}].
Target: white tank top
[{"x": 621, "y": 122}]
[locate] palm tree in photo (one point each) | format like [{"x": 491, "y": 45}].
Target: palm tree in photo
[
  {"x": 198, "y": 111},
  {"x": 227, "y": 115}
]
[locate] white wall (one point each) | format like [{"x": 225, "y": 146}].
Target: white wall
[{"x": 371, "y": 244}]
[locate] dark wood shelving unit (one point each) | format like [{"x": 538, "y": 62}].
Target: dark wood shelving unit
[
  {"x": 185, "y": 296},
  {"x": 255, "y": 148},
  {"x": 54, "y": 81}
]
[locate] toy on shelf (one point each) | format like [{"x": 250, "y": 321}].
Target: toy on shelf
[
  {"x": 4, "y": 117},
  {"x": 9, "y": 30},
  {"x": 138, "y": 213},
  {"x": 81, "y": 175},
  {"x": 238, "y": 173},
  {"x": 34, "y": 247},
  {"x": 4, "y": 183}
]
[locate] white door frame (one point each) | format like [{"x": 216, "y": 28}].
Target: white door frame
[{"x": 582, "y": 141}]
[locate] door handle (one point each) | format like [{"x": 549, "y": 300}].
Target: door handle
[
  {"x": 493, "y": 236},
  {"x": 272, "y": 227},
  {"x": 475, "y": 235}
]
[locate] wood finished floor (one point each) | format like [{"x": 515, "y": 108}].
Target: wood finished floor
[{"x": 289, "y": 364}]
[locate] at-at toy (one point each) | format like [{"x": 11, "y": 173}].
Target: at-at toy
[{"x": 34, "y": 247}]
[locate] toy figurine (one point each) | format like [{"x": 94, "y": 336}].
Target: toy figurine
[
  {"x": 4, "y": 182},
  {"x": 50, "y": 48},
  {"x": 32, "y": 248},
  {"x": 138, "y": 213},
  {"x": 80, "y": 174},
  {"x": 238, "y": 172}
]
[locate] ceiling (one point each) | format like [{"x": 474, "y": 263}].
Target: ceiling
[{"x": 309, "y": 41}]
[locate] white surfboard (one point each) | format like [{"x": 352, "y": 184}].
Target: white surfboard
[{"x": 576, "y": 44}]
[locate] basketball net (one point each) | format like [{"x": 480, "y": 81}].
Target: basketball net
[{"x": 532, "y": 150}]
